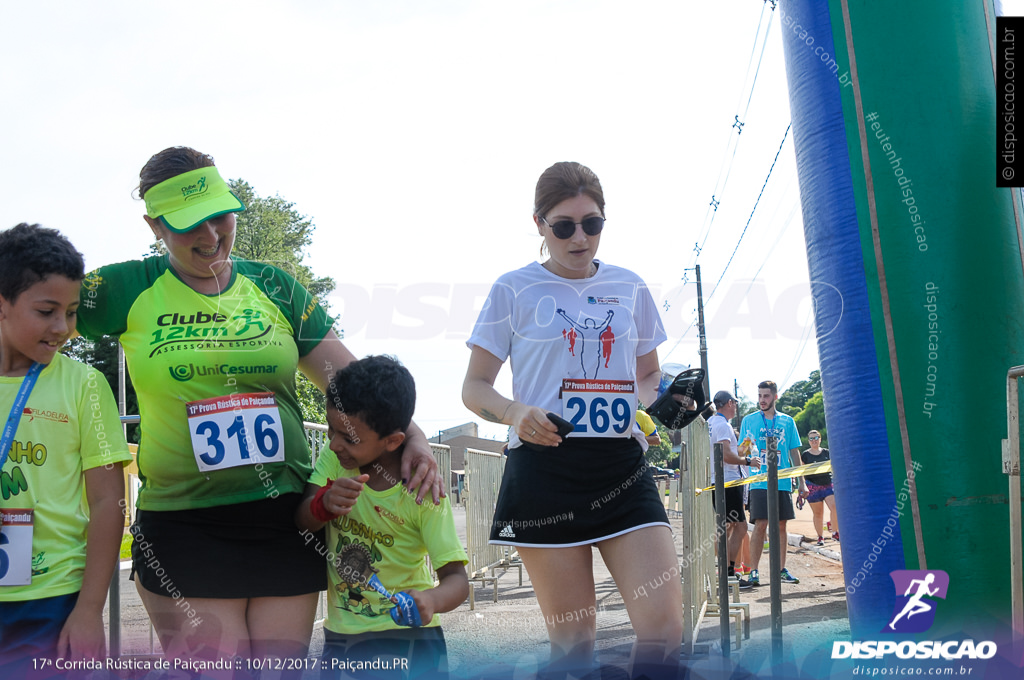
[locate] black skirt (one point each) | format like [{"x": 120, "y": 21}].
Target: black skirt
[
  {"x": 583, "y": 491},
  {"x": 228, "y": 551}
]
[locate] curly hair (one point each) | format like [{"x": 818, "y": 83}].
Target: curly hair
[
  {"x": 29, "y": 253},
  {"x": 377, "y": 389}
]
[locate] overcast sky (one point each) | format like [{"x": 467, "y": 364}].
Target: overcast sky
[{"x": 413, "y": 133}]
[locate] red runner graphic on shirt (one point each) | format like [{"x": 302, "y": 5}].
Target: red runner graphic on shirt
[{"x": 595, "y": 342}]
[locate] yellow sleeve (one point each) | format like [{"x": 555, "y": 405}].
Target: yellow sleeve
[{"x": 646, "y": 424}]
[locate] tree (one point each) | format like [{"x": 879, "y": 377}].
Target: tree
[
  {"x": 271, "y": 230},
  {"x": 743, "y": 408},
  {"x": 102, "y": 355},
  {"x": 812, "y": 417},
  {"x": 656, "y": 455},
  {"x": 792, "y": 400}
]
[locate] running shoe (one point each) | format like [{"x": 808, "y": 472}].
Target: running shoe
[
  {"x": 836, "y": 536},
  {"x": 786, "y": 577},
  {"x": 743, "y": 569},
  {"x": 745, "y": 584},
  {"x": 755, "y": 578},
  {"x": 821, "y": 541}
]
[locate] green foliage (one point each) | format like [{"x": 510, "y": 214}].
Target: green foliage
[
  {"x": 76, "y": 348},
  {"x": 102, "y": 355},
  {"x": 311, "y": 400},
  {"x": 792, "y": 400},
  {"x": 271, "y": 230},
  {"x": 744, "y": 407},
  {"x": 657, "y": 455},
  {"x": 812, "y": 417}
]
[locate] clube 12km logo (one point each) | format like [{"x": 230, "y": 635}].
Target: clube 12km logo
[{"x": 918, "y": 592}]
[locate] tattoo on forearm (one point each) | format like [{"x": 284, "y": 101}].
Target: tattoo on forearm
[{"x": 487, "y": 415}]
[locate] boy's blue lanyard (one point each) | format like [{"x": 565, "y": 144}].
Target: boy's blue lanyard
[{"x": 19, "y": 406}]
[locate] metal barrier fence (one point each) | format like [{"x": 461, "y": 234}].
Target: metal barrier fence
[
  {"x": 443, "y": 455},
  {"x": 316, "y": 437},
  {"x": 697, "y": 568},
  {"x": 483, "y": 479}
]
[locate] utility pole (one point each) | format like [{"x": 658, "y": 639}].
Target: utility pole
[
  {"x": 736, "y": 393},
  {"x": 703, "y": 337},
  {"x": 776, "y": 542}
]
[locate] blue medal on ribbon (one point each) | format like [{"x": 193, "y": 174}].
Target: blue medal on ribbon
[{"x": 405, "y": 612}]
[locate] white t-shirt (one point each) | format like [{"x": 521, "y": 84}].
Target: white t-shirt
[
  {"x": 721, "y": 431},
  {"x": 555, "y": 328}
]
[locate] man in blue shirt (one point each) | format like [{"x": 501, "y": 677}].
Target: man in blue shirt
[{"x": 758, "y": 426}]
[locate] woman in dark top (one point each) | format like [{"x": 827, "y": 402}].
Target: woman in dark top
[{"x": 819, "y": 487}]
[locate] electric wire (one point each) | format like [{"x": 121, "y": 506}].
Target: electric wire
[
  {"x": 732, "y": 143},
  {"x": 785, "y": 136}
]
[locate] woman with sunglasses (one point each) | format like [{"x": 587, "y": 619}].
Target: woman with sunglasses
[
  {"x": 213, "y": 342},
  {"x": 819, "y": 487},
  {"x": 562, "y": 496}
]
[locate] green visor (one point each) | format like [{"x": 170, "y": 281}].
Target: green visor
[{"x": 187, "y": 200}]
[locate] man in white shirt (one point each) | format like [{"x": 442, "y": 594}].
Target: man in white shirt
[{"x": 721, "y": 432}]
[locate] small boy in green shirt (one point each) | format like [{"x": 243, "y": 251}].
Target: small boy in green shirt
[
  {"x": 382, "y": 603},
  {"x": 58, "y": 546}
]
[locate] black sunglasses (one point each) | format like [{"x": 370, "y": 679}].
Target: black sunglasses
[{"x": 564, "y": 229}]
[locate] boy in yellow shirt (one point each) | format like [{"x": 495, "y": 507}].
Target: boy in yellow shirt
[
  {"x": 382, "y": 603},
  {"x": 58, "y": 547}
]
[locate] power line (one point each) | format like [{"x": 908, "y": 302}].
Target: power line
[
  {"x": 732, "y": 142},
  {"x": 753, "y": 210},
  {"x": 740, "y": 240},
  {"x": 803, "y": 345}
]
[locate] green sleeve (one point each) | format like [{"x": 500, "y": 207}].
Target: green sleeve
[
  {"x": 437, "y": 528},
  {"x": 100, "y": 429},
  {"x": 109, "y": 292},
  {"x": 307, "y": 317},
  {"x": 327, "y": 467}
]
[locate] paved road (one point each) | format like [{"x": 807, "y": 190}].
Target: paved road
[{"x": 508, "y": 638}]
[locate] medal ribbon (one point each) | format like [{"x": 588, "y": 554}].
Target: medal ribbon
[{"x": 16, "y": 410}]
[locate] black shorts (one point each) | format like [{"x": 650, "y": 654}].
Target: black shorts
[
  {"x": 733, "y": 504},
  {"x": 759, "y": 505},
  {"x": 229, "y": 551},
  {"x": 583, "y": 491},
  {"x": 394, "y": 654}
]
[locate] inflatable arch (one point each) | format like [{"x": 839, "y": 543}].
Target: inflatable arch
[{"x": 916, "y": 270}]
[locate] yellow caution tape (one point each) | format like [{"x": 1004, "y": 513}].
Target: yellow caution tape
[{"x": 785, "y": 473}]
